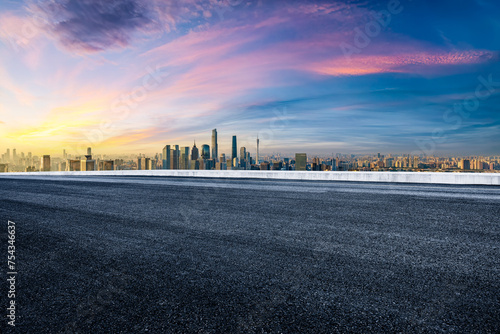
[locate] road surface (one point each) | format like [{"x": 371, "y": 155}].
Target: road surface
[{"x": 180, "y": 255}]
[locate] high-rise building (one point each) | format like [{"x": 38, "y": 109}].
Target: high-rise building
[
  {"x": 184, "y": 161},
  {"x": 14, "y": 155},
  {"x": 234, "y": 152},
  {"x": 174, "y": 157},
  {"x": 8, "y": 154},
  {"x": 195, "y": 155},
  {"x": 215, "y": 146},
  {"x": 243, "y": 153},
  {"x": 65, "y": 156},
  {"x": 87, "y": 165},
  {"x": 205, "y": 151},
  {"x": 89, "y": 151},
  {"x": 257, "y": 157},
  {"x": 45, "y": 163},
  {"x": 106, "y": 165},
  {"x": 73, "y": 165},
  {"x": 466, "y": 164},
  {"x": 300, "y": 161},
  {"x": 243, "y": 156},
  {"x": 166, "y": 157}
]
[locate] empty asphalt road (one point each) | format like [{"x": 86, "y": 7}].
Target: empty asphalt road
[{"x": 180, "y": 255}]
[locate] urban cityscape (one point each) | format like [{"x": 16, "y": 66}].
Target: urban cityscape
[{"x": 208, "y": 157}]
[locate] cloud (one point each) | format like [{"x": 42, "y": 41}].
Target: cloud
[
  {"x": 399, "y": 63},
  {"x": 91, "y": 26}
]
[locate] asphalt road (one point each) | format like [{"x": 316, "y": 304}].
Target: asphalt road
[{"x": 178, "y": 255}]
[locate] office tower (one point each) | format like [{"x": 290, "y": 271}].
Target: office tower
[
  {"x": 14, "y": 155},
  {"x": 106, "y": 165},
  {"x": 147, "y": 164},
  {"x": 257, "y": 157},
  {"x": 466, "y": 164},
  {"x": 87, "y": 164},
  {"x": 194, "y": 152},
  {"x": 138, "y": 162},
  {"x": 205, "y": 151},
  {"x": 174, "y": 157},
  {"x": 300, "y": 161},
  {"x": 243, "y": 155},
  {"x": 234, "y": 153},
  {"x": 166, "y": 157},
  {"x": 89, "y": 151},
  {"x": 8, "y": 154},
  {"x": 222, "y": 158},
  {"x": 45, "y": 163},
  {"x": 65, "y": 156},
  {"x": 236, "y": 162},
  {"x": 184, "y": 163},
  {"x": 215, "y": 146}
]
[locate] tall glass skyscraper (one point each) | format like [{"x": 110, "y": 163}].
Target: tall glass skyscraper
[
  {"x": 215, "y": 146},
  {"x": 205, "y": 151},
  {"x": 234, "y": 153},
  {"x": 194, "y": 152},
  {"x": 166, "y": 157}
]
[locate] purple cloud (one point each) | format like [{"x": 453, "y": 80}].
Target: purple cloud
[{"x": 96, "y": 25}]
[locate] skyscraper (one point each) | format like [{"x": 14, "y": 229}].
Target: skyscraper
[
  {"x": 243, "y": 153},
  {"x": 194, "y": 152},
  {"x": 300, "y": 161},
  {"x": 89, "y": 151},
  {"x": 257, "y": 158},
  {"x": 243, "y": 156},
  {"x": 174, "y": 157},
  {"x": 234, "y": 153},
  {"x": 45, "y": 163},
  {"x": 184, "y": 161},
  {"x": 215, "y": 147},
  {"x": 166, "y": 157},
  {"x": 205, "y": 151}
]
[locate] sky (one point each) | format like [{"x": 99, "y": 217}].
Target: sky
[{"x": 321, "y": 77}]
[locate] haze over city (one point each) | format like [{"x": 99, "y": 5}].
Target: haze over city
[{"x": 318, "y": 77}]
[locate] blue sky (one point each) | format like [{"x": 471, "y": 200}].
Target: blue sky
[{"x": 130, "y": 76}]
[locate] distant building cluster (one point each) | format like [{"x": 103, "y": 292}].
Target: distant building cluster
[{"x": 208, "y": 157}]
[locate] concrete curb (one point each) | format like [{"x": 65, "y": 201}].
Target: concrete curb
[{"x": 397, "y": 177}]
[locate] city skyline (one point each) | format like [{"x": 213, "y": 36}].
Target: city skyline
[{"x": 315, "y": 76}]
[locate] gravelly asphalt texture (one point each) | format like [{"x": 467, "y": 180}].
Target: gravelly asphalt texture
[{"x": 180, "y": 255}]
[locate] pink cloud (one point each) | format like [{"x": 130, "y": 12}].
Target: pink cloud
[{"x": 403, "y": 63}]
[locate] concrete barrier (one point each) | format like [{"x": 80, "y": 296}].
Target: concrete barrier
[{"x": 400, "y": 177}]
